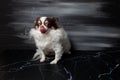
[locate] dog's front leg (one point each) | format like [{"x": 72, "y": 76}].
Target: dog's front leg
[
  {"x": 58, "y": 54},
  {"x": 40, "y": 54},
  {"x": 36, "y": 55}
]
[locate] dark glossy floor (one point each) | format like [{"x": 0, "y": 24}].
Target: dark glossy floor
[
  {"x": 80, "y": 65},
  {"x": 90, "y": 24}
]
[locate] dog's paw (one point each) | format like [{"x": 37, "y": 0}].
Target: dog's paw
[
  {"x": 36, "y": 57},
  {"x": 42, "y": 59},
  {"x": 53, "y": 62}
]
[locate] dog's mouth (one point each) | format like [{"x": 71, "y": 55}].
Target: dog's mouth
[{"x": 43, "y": 29}]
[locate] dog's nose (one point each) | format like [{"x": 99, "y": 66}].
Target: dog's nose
[{"x": 42, "y": 29}]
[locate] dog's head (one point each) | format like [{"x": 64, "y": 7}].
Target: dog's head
[{"x": 45, "y": 23}]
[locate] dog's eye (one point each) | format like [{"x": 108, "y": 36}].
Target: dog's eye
[
  {"x": 39, "y": 22},
  {"x": 46, "y": 23}
]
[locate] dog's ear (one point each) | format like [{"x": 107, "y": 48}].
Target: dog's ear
[
  {"x": 55, "y": 19},
  {"x": 54, "y": 22},
  {"x": 36, "y": 23},
  {"x": 36, "y": 19}
]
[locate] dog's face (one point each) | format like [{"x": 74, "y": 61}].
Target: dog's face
[{"x": 45, "y": 23}]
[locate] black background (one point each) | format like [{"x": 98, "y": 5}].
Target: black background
[{"x": 91, "y": 24}]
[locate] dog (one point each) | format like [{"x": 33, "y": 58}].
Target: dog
[{"x": 49, "y": 38}]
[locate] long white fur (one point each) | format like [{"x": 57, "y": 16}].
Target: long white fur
[{"x": 53, "y": 40}]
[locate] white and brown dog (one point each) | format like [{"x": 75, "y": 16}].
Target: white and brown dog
[{"x": 49, "y": 38}]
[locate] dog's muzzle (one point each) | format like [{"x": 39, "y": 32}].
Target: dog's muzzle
[{"x": 43, "y": 29}]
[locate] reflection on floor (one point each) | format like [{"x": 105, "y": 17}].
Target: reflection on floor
[{"x": 80, "y": 65}]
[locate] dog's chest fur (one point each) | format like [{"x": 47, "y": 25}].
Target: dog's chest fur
[{"x": 48, "y": 40}]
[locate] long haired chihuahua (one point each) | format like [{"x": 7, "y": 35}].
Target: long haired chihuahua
[{"x": 49, "y": 38}]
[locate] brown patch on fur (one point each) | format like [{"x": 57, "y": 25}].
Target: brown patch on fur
[
  {"x": 36, "y": 25},
  {"x": 52, "y": 22}
]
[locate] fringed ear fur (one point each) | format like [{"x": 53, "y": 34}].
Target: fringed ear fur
[
  {"x": 36, "y": 19},
  {"x": 35, "y": 22},
  {"x": 55, "y": 19}
]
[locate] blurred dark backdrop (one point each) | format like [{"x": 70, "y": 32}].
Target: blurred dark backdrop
[{"x": 90, "y": 24}]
